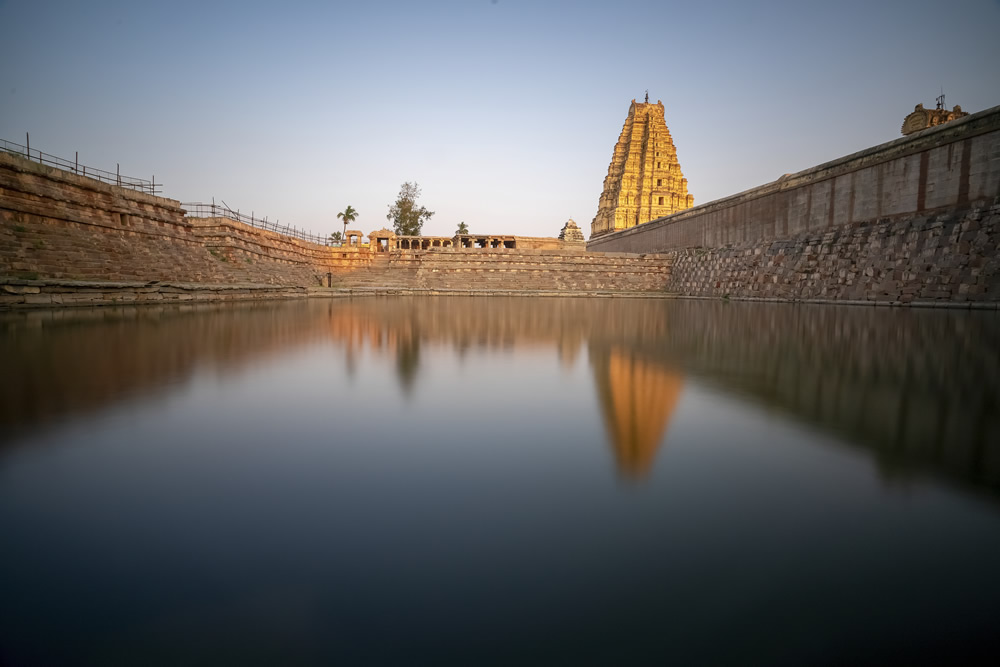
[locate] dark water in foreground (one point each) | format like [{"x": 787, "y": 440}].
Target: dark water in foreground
[{"x": 502, "y": 481}]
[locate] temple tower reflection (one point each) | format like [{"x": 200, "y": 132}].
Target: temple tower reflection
[{"x": 638, "y": 399}]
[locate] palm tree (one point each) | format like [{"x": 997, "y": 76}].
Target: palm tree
[
  {"x": 462, "y": 228},
  {"x": 336, "y": 238},
  {"x": 348, "y": 215}
]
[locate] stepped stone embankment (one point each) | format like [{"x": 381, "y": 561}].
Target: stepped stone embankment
[
  {"x": 57, "y": 225},
  {"x": 70, "y": 240},
  {"x": 514, "y": 270},
  {"x": 54, "y": 292},
  {"x": 913, "y": 221},
  {"x": 945, "y": 259}
]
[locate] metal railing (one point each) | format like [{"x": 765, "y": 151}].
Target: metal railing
[
  {"x": 113, "y": 178},
  {"x": 194, "y": 209},
  {"x": 202, "y": 210}
]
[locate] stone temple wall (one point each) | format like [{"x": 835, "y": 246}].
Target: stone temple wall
[
  {"x": 948, "y": 257},
  {"x": 914, "y": 219}
]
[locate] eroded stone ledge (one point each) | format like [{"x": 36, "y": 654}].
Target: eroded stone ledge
[{"x": 18, "y": 293}]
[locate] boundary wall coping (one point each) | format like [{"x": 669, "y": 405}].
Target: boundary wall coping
[{"x": 22, "y": 164}]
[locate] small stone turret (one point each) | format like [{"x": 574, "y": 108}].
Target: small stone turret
[
  {"x": 922, "y": 118},
  {"x": 571, "y": 233}
]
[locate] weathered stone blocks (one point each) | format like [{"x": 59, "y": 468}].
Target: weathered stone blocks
[{"x": 865, "y": 261}]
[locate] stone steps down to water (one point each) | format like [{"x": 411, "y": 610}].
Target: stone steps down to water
[
  {"x": 513, "y": 269},
  {"x": 57, "y": 225},
  {"x": 16, "y": 293}
]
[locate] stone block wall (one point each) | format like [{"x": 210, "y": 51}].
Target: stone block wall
[
  {"x": 57, "y": 225},
  {"x": 950, "y": 257},
  {"x": 515, "y": 269},
  {"x": 238, "y": 241},
  {"x": 543, "y": 243},
  {"x": 16, "y": 293}
]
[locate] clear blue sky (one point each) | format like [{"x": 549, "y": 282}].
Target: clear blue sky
[{"x": 504, "y": 112}]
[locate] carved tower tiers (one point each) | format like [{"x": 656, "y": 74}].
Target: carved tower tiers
[{"x": 644, "y": 180}]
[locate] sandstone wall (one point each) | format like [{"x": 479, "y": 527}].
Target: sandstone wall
[
  {"x": 950, "y": 257},
  {"x": 238, "y": 242},
  {"x": 15, "y": 293},
  {"x": 912, "y": 219},
  {"x": 514, "y": 269},
  {"x": 57, "y": 225},
  {"x": 545, "y": 243}
]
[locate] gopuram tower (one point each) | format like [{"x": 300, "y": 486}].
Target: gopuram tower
[{"x": 644, "y": 181}]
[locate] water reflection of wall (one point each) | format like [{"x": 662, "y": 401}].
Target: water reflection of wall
[
  {"x": 67, "y": 361},
  {"x": 73, "y": 361},
  {"x": 917, "y": 388}
]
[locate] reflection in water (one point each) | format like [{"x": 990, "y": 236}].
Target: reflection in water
[
  {"x": 918, "y": 387},
  {"x": 154, "y": 346},
  {"x": 77, "y": 360},
  {"x": 637, "y": 399},
  {"x": 407, "y": 361},
  {"x": 374, "y": 480}
]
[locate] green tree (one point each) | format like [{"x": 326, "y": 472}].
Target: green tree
[
  {"x": 348, "y": 215},
  {"x": 408, "y": 218},
  {"x": 336, "y": 237},
  {"x": 462, "y": 228}
]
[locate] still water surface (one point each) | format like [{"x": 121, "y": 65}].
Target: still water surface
[{"x": 499, "y": 481}]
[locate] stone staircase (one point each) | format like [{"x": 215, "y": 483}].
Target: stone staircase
[
  {"x": 56, "y": 225},
  {"x": 386, "y": 271},
  {"x": 511, "y": 269}
]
